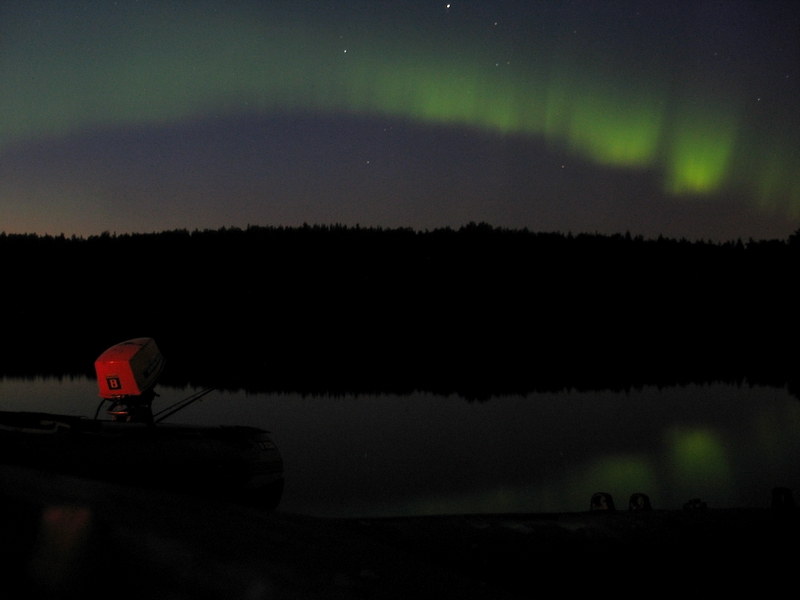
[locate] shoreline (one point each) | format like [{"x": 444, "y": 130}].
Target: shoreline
[{"x": 72, "y": 536}]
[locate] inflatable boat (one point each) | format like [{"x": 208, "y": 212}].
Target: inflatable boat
[
  {"x": 236, "y": 463},
  {"x": 135, "y": 447}
]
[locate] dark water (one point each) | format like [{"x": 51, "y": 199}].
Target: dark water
[{"x": 423, "y": 454}]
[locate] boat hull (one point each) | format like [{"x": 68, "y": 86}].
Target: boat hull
[{"x": 234, "y": 463}]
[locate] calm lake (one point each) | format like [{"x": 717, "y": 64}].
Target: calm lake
[{"x": 388, "y": 455}]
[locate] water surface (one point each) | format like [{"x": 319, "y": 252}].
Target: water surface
[{"x": 388, "y": 455}]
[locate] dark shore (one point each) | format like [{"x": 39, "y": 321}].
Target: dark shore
[{"x": 72, "y": 537}]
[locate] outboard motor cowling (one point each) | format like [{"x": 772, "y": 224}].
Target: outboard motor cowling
[{"x": 126, "y": 374}]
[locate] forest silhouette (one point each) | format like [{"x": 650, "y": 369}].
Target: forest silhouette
[{"x": 478, "y": 311}]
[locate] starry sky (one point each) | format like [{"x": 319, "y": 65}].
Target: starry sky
[{"x": 672, "y": 117}]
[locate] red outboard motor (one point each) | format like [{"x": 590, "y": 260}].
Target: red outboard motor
[{"x": 126, "y": 375}]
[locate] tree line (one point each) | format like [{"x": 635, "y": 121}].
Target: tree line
[{"x": 478, "y": 310}]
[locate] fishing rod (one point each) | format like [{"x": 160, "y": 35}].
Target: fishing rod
[{"x": 181, "y": 404}]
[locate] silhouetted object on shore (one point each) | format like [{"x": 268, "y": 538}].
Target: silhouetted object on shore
[
  {"x": 695, "y": 504},
  {"x": 639, "y": 502},
  {"x": 782, "y": 499},
  {"x": 602, "y": 501}
]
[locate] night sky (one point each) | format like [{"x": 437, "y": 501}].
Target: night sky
[{"x": 678, "y": 118}]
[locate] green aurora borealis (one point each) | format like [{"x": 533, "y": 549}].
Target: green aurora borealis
[{"x": 683, "y": 105}]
